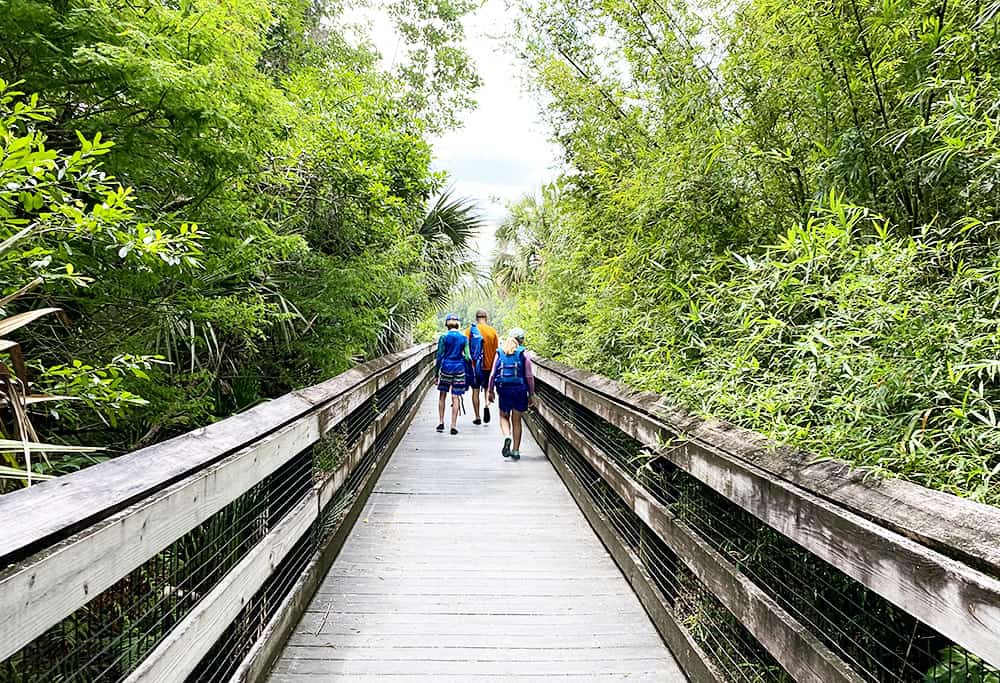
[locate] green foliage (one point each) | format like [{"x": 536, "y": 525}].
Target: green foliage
[
  {"x": 273, "y": 235},
  {"x": 958, "y": 665},
  {"x": 522, "y": 236},
  {"x": 783, "y": 214},
  {"x": 667, "y": 259},
  {"x": 55, "y": 209},
  {"x": 448, "y": 230}
]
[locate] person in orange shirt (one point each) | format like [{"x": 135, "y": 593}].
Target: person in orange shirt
[{"x": 483, "y": 343}]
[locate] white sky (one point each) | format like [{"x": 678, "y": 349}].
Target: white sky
[{"x": 501, "y": 151}]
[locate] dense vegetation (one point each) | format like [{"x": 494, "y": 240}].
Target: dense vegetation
[
  {"x": 782, "y": 213},
  {"x": 263, "y": 217}
]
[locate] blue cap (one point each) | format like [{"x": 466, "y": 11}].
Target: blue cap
[{"x": 451, "y": 316}]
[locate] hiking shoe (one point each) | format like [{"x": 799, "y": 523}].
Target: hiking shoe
[
  {"x": 454, "y": 431},
  {"x": 477, "y": 422},
  {"x": 486, "y": 414},
  {"x": 506, "y": 447},
  {"x": 440, "y": 427},
  {"x": 515, "y": 455}
]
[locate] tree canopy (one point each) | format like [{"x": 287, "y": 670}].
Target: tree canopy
[
  {"x": 224, "y": 201},
  {"x": 779, "y": 213}
]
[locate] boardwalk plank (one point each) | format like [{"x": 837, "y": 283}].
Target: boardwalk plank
[{"x": 466, "y": 566}]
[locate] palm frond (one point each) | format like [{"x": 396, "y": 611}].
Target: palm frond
[{"x": 456, "y": 219}]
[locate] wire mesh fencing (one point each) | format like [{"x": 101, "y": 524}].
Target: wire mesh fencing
[
  {"x": 877, "y": 640},
  {"x": 109, "y": 638}
]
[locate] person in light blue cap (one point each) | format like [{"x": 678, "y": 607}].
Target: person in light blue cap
[
  {"x": 513, "y": 379},
  {"x": 452, "y": 355}
]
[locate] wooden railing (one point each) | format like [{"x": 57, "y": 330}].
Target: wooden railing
[
  {"x": 190, "y": 559},
  {"x": 759, "y": 563}
]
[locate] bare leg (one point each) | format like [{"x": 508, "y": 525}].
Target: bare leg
[
  {"x": 441, "y": 399},
  {"x": 515, "y": 418},
  {"x": 455, "y": 401},
  {"x": 475, "y": 402},
  {"x": 505, "y": 424}
]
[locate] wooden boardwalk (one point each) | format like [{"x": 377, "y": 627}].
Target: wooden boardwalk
[{"x": 465, "y": 566}]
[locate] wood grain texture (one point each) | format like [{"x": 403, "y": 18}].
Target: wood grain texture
[
  {"x": 52, "y": 585},
  {"x": 955, "y": 526},
  {"x": 955, "y": 598},
  {"x": 35, "y": 517},
  {"x": 258, "y": 660},
  {"x": 689, "y": 655},
  {"x": 173, "y": 660},
  {"x": 792, "y": 645},
  {"x": 466, "y": 566}
]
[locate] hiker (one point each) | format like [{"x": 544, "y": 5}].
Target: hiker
[
  {"x": 512, "y": 379},
  {"x": 483, "y": 343},
  {"x": 452, "y": 354}
]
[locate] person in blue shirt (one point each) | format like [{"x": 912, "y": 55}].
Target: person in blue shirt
[{"x": 452, "y": 355}]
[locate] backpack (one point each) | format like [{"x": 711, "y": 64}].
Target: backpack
[
  {"x": 476, "y": 346},
  {"x": 511, "y": 372}
]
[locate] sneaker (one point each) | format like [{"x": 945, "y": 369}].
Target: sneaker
[
  {"x": 454, "y": 431},
  {"x": 440, "y": 427},
  {"x": 486, "y": 414},
  {"x": 477, "y": 422},
  {"x": 515, "y": 455},
  {"x": 506, "y": 447}
]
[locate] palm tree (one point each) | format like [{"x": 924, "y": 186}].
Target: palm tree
[
  {"x": 448, "y": 230},
  {"x": 521, "y": 237}
]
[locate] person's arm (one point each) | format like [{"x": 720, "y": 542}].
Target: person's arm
[
  {"x": 493, "y": 376},
  {"x": 465, "y": 351},
  {"x": 529, "y": 377},
  {"x": 439, "y": 356}
]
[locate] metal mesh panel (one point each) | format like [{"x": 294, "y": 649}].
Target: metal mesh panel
[
  {"x": 230, "y": 650},
  {"x": 878, "y": 640},
  {"x": 735, "y": 652},
  {"x": 333, "y": 513},
  {"x": 104, "y": 641}
]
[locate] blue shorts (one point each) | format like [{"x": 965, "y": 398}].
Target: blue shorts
[
  {"x": 513, "y": 398},
  {"x": 452, "y": 381},
  {"x": 476, "y": 378}
]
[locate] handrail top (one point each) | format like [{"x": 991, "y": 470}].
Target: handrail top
[
  {"x": 35, "y": 516},
  {"x": 956, "y": 527}
]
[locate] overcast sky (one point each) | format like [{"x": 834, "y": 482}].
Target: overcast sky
[{"x": 501, "y": 151}]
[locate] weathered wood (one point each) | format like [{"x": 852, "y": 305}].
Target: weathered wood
[
  {"x": 692, "y": 659},
  {"x": 957, "y": 527},
  {"x": 332, "y": 483},
  {"x": 190, "y": 640},
  {"x": 179, "y": 654},
  {"x": 261, "y": 656},
  {"x": 50, "y": 586},
  {"x": 519, "y": 677},
  {"x": 36, "y": 516},
  {"x": 792, "y": 645},
  {"x": 958, "y": 600},
  {"x": 332, "y": 668},
  {"x": 457, "y": 585}
]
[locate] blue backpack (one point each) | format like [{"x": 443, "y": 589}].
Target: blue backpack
[
  {"x": 476, "y": 346},
  {"x": 511, "y": 371}
]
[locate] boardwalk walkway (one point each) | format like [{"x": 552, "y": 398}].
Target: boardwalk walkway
[{"x": 465, "y": 566}]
